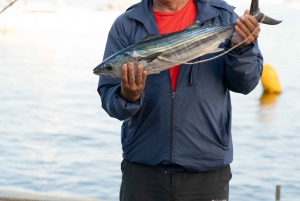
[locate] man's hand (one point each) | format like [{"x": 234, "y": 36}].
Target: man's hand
[
  {"x": 246, "y": 25},
  {"x": 132, "y": 85}
]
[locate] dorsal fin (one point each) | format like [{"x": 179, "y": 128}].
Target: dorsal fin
[
  {"x": 152, "y": 36},
  {"x": 149, "y": 37},
  {"x": 193, "y": 25}
]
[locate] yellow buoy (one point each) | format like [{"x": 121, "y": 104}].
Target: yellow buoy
[
  {"x": 270, "y": 80},
  {"x": 268, "y": 98}
]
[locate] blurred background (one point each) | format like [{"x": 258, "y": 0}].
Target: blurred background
[{"x": 55, "y": 138}]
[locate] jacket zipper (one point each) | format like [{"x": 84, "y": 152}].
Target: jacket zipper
[
  {"x": 172, "y": 131},
  {"x": 172, "y": 128}
]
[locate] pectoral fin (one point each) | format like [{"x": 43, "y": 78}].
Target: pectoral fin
[
  {"x": 217, "y": 50},
  {"x": 151, "y": 57},
  {"x": 140, "y": 55},
  {"x": 136, "y": 53}
]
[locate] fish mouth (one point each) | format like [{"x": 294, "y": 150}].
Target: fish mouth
[
  {"x": 97, "y": 71},
  {"x": 100, "y": 73}
]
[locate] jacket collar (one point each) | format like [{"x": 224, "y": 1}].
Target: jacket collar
[
  {"x": 205, "y": 11},
  {"x": 142, "y": 12}
]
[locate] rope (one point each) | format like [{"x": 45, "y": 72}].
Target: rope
[{"x": 162, "y": 58}]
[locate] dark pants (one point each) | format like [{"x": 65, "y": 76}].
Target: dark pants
[{"x": 143, "y": 183}]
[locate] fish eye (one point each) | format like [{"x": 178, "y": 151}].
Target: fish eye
[{"x": 108, "y": 67}]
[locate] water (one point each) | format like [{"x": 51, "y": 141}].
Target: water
[
  {"x": 55, "y": 138},
  {"x": 75, "y": 4}
]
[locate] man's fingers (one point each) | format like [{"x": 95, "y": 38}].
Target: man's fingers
[
  {"x": 131, "y": 74},
  {"x": 253, "y": 20},
  {"x": 250, "y": 27},
  {"x": 247, "y": 12},
  {"x": 242, "y": 35},
  {"x": 144, "y": 76},
  {"x": 130, "y": 78},
  {"x": 124, "y": 74},
  {"x": 139, "y": 79},
  {"x": 243, "y": 27},
  {"x": 247, "y": 28},
  {"x": 133, "y": 83},
  {"x": 251, "y": 23}
]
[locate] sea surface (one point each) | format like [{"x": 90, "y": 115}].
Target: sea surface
[{"x": 55, "y": 138}]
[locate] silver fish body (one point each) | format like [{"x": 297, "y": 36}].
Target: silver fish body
[
  {"x": 161, "y": 52},
  {"x": 166, "y": 51}
]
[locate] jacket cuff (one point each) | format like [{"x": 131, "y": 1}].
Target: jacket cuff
[
  {"x": 128, "y": 101},
  {"x": 242, "y": 50},
  {"x": 238, "y": 50},
  {"x": 126, "y": 107}
]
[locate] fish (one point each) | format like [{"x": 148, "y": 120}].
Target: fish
[{"x": 161, "y": 52}]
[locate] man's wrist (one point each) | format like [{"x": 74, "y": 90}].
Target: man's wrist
[
  {"x": 130, "y": 98},
  {"x": 238, "y": 47}
]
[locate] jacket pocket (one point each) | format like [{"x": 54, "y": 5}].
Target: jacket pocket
[
  {"x": 127, "y": 132},
  {"x": 193, "y": 73},
  {"x": 123, "y": 165},
  {"x": 225, "y": 125},
  {"x": 157, "y": 84}
]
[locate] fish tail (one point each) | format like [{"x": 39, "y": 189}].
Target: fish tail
[{"x": 261, "y": 17}]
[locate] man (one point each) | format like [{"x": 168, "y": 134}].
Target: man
[{"x": 176, "y": 134}]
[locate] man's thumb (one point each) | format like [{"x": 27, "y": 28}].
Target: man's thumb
[{"x": 247, "y": 12}]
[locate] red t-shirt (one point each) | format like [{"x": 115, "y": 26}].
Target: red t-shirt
[{"x": 176, "y": 21}]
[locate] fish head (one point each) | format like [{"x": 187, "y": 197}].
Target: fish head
[
  {"x": 110, "y": 67},
  {"x": 104, "y": 69}
]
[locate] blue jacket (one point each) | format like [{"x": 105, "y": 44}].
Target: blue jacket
[{"x": 190, "y": 129}]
